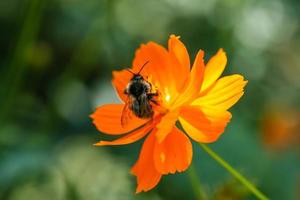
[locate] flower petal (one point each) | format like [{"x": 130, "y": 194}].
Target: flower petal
[
  {"x": 120, "y": 81},
  {"x": 144, "y": 169},
  {"x": 195, "y": 81},
  {"x": 177, "y": 48},
  {"x": 203, "y": 124},
  {"x": 129, "y": 138},
  {"x": 107, "y": 119},
  {"x": 166, "y": 125},
  {"x": 224, "y": 94},
  {"x": 163, "y": 74},
  {"x": 174, "y": 153},
  {"x": 214, "y": 68},
  {"x": 180, "y": 58}
]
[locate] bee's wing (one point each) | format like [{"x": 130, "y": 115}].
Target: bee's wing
[{"x": 126, "y": 112}]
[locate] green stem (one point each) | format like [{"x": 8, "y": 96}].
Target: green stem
[
  {"x": 234, "y": 173},
  {"x": 195, "y": 183}
]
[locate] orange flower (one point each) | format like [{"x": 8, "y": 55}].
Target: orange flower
[
  {"x": 280, "y": 127},
  {"x": 195, "y": 97}
]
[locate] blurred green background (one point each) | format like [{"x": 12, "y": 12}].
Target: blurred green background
[{"x": 56, "y": 58}]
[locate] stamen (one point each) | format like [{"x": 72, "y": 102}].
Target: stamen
[{"x": 167, "y": 95}]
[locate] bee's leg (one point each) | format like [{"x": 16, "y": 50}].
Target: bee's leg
[
  {"x": 154, "y": 101},
  {"x": 150, "y": 98},
  {"x": 154, "y": 94},
  {"x": 125, "y": 91},
  {"x": 151, "y": 95}
]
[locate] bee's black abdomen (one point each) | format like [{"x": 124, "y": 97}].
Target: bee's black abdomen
[{"x": 141, "y": 107}]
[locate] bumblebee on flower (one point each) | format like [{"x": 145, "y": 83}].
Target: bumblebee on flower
[
  {"x": 140, "y": 97},
  {"x": 172, "y": 91}
]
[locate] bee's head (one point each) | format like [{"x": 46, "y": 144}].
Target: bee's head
[{"x": 137, "y": 77}]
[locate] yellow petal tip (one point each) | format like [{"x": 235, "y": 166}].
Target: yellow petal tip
[
  {"x": 174, "y": 36},
  {"x": 99, "y": 143}
]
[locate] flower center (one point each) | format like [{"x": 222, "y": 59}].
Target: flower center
[
  {"x": 167, "y": 98},
  {"x": 164, "y": 98}
]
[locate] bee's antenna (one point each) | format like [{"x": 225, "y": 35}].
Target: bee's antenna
[
  {"x": 143, "y": 67},
  {"x": 129, "y": 70}
]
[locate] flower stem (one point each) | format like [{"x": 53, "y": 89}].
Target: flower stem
[
  {"x": 234, "y": 173},
  {"x": 196, "y": 185}
]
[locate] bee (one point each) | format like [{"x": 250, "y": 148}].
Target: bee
[{"x": 139, "y": 98}]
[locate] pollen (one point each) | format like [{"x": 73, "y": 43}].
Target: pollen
[{"x": 168, "y": 97}]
